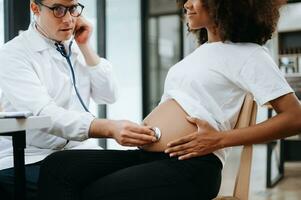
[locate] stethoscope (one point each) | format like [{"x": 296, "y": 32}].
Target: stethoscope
[{"x": 61, "y": 48}]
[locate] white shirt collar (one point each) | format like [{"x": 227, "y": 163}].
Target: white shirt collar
[{"x": 39, "y": 42}]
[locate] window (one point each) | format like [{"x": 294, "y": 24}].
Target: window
[
  {"x": 1, "y": 26},
  {"x": 164, "y": 47},
  {"x": 123, "y": 34},
  {"x": 1, "y": 22}
]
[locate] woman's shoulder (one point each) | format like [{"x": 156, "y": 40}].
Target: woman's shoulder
[
  {"x": 228, "y": 50},
  {"x": 229, "y": 47}
]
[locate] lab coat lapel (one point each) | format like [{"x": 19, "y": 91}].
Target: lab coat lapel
[{"x": 40, "y": 43}]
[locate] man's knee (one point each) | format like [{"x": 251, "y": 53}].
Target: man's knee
[
  {"x": 54, "y": 161},
  {"x": 58, "y": 166}
]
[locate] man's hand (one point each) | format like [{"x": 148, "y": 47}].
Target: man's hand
[
  {"x": 126, "y": 133},
  {"x": 83, "y": 30},
  {"x": 82, "y": 33},
  {"x": 206, "y": 140}
]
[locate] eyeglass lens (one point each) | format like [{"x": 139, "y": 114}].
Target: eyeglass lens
[{"x": 61, "y": 11}]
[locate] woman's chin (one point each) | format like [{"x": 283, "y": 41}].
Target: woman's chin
[{"x": 194, "y": 27}]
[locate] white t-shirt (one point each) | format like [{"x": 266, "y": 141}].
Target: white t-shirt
[{"x": 211, "y": 83}]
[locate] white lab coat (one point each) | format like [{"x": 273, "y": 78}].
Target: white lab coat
[{"x": 35, "y": 77}]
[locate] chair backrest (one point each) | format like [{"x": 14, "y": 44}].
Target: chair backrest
[{"x": 247, "y": 117}]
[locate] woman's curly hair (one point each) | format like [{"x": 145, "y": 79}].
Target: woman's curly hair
[{"x": 241, "y": 20}]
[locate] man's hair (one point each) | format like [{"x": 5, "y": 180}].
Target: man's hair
[
  {"x": 37, "y": 1},
  {"x": 241, "y": 21}
]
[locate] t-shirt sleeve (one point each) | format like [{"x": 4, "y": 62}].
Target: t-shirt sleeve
[{"x": 261, "y": 77}]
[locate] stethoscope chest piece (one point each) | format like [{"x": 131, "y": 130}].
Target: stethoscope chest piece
[{"x": 157, "y": 132}]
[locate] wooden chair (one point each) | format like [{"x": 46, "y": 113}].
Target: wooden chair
[{"x": 247, "y": 117}]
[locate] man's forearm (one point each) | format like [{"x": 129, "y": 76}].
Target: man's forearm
[{"x": 89, "y": 54}]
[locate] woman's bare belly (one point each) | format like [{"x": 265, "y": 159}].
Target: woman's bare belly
[{"x": 170, "y": 118}]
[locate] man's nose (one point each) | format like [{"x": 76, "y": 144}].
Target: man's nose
[{"x": 68, "y": 17}]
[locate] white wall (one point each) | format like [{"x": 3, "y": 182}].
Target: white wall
[{"x": 290, "y": 18}]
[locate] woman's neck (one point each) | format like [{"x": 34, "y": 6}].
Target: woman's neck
[{"x": 213, "y": 35}]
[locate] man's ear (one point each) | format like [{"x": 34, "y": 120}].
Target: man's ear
[{"x": 35, "y": 9}]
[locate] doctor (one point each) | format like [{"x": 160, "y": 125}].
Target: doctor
[{"x": 34, "y": 76}]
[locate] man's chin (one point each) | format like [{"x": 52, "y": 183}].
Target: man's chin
[{"x": 65, "y": 38}]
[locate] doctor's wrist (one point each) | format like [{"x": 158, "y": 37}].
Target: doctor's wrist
[
  {"x": 91, "y": 57},
  {"x": 100, "y": 128}
]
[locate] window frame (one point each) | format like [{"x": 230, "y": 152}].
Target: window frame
[{"x": 16, "y": 17}]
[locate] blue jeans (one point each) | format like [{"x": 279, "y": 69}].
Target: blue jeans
[{"x": 32, "y": 172}]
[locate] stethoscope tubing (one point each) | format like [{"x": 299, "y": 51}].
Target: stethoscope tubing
[{"x": 60, "y": 48}]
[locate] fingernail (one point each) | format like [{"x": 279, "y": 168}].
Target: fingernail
[
  {"x": 166, "y": 151},
  {"x": 154, "y": 139},
  {"x": 171, "y": 155}
]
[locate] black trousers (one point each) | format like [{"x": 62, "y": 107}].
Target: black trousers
[{"x": 127, "y": 175}]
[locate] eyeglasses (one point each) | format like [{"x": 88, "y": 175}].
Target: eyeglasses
[{"x": 60, "y": 11}]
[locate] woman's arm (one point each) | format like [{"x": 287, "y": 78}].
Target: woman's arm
[{"x": 286, "y": 123}]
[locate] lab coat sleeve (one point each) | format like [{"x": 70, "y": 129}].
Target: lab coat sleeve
[
  {"x": 23, "y": 89},
  {"x": 103, "y": 82}
]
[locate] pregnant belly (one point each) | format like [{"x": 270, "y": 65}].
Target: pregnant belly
[{"x": 170, "y": 118}]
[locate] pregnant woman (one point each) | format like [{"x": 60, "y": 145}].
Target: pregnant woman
[{"x": 202, "y": 98}]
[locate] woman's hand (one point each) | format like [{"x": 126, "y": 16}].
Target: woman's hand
[{"x": 206, "y": 140}]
